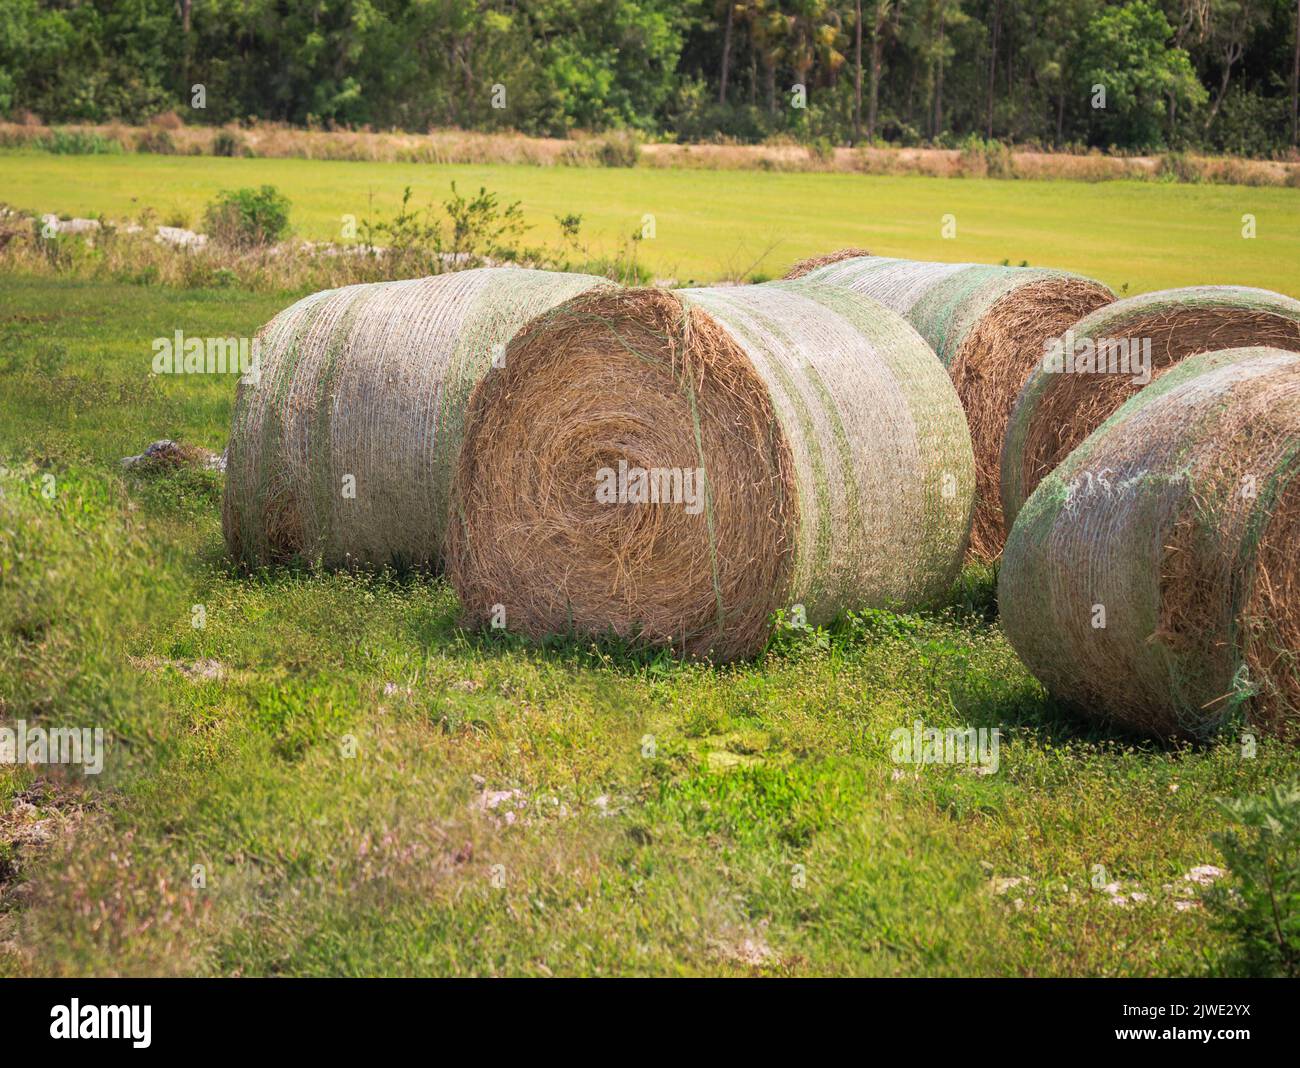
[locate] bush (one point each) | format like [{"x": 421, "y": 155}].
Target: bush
[
  {"x": 156, "y": 140},
  {"x": 247, "y": 218},
  {"x": 1248, "y": 124},
  {"x": 1262, "y": 909},
  {"x": 986, "y": 159},
  {"x": 167, "y": 120},
  {"x": 226, "y": 143},
  {"x": 619, "y": 149},
  {"x": 821, "y": 150},
  {"x": 78, "y": 143},
  {"x": 1178, "y": 167},
  {"x": 475, "y": 231}
]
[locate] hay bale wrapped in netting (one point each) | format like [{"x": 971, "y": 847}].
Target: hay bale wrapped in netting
[
  {"x": 1152, "y": 579},
  {"x": 673, "y": 467},
  {"x": 1109, "y": 355},
  {"x": 343, "y": 448},
  {"x": 988, "y": 325},
  {"x": 806, "y": 267}
]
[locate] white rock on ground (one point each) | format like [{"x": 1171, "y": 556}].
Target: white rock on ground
[
  {"x": 168, "y": 451},
  {"x": 178, "y": 237},
  {"x": 69, "y": 226}
]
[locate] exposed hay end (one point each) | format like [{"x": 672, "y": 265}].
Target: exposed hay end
[
  {"x": 830, "y": 444},
  {"x": 595, "y": 392},
  {"x": 803, "y": 267},
  {"x": 1057, "y": 408},
  {"x": 991, "y": 364}
]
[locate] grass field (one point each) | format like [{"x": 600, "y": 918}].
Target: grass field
[
  {"x": 328, "y": 776},
  {"x": 711, "y": 224},
  {"x": 662, "y": 818}
]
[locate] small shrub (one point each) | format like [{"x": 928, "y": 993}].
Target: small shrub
[
  {"x": 1000, "y": 161},
  {"x": 476, "y": 230},
  {"x": 78, "y": 143},
  {"x": 156, "y": 140},
  {"x": 620, "y": 149},
  {"x": 248, "y": 218},
  {"x": 167, "y": 120},
  {"x": 227, "y": 143},
  {"x": 1261, "y": 909},
  {"x": 1178, "y": 167},
  {"x": 986, "y": 159},
  {"x": 821, "y": 150}
]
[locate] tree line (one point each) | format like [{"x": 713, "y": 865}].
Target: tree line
[{"x": 1218, "y": 75}]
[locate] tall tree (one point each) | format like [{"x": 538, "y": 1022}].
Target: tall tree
[
  {"x": 857, "y": 68},
  {"x": 1229, "y": 28},
  {"x": 994, "y": 32},
  {"x": 882, "y": 11},
  {"x": 726, "y": 51},
  {"x": 1295, "y": 83},
  {"x": 1127, "y": 50}
]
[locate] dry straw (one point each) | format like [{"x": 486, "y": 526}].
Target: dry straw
[
  {"x": 988, "y": 325},
  {"x": 342, "y": 450},
  {"x": 1068, "y": 395},
  {"x": 837, "y": 468},
  {"x": 1151, "y": 580}
]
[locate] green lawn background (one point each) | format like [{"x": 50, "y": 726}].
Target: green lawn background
[{"x": 712, "y": 224}]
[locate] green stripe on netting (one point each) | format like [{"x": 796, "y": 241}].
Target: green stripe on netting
[
  {"x": 819, "y": 573},
  {"x": 708, "y": 494},
  {"x": 270, "y": 451},
  {"x": 320, "y": 452}
]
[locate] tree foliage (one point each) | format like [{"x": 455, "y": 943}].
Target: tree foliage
[{"x": 1177, "y": 73}]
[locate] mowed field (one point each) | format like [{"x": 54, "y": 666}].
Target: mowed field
[
  {"x": 326, "y": 775},
  {"x": 1135, "y": 236}
]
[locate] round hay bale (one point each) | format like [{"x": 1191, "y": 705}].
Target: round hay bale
[
  {"x": 988, "y": 325},
  {"x": 1150, "y": 580},
  {"x": 1066, "y": 397},
  {"x": 807, "y": 447},
  {"x": 343, "y": 447}
]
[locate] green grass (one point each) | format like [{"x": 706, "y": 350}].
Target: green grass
[
  {"x": 666, "y": 818},
  {"x": 709, "y": 224}
]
